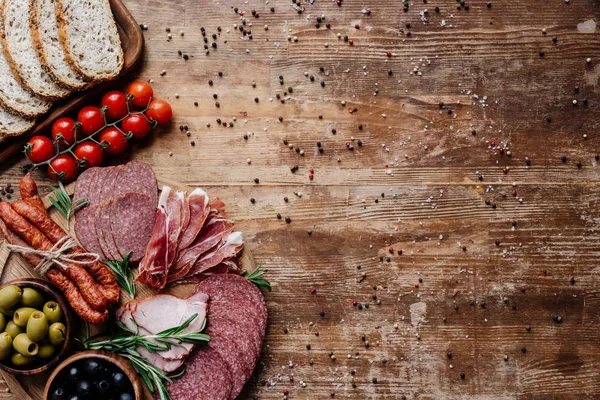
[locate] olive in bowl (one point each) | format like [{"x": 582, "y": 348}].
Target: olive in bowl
[
  {"x": 91, "y": 375},
  {"x": 35, "y": 323}
]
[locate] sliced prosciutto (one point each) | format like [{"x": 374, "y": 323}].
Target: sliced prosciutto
[
  {"x": 227, "y": 249},
  {"x": 198, "y": 208},
  {"x": 153, "y": 267},
  {"x": 211, "y": 235}
]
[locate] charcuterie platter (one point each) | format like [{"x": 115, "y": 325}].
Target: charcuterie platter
[{"x": 172, "y": 298}]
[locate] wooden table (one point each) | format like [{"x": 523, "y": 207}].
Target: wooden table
[{"x": 499, "y": 276}]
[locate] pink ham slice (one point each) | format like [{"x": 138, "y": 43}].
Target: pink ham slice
[
  {"x": 214, "y": 231},
  {"x": 227, "y": 249},
  {"x": 197, "y": 203}
]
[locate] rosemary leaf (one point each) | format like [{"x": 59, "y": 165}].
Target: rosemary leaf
[
  {"x": 63, "y": 203},
  {"x": 256, "y": 278},
  {"x": 124, "y": 276}
]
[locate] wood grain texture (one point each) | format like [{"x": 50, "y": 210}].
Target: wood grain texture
[{"x": 436, "y": 176}]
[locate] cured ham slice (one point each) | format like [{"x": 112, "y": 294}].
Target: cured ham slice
[
  {"x": 212, "y": 234},
  {"x": 198, "y": 208},
  {"x": 227, "y": 249},
  {"x": 153, "y": 267}
]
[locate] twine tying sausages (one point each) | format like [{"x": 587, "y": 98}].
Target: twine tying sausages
[{"x": 57, "y": 255}]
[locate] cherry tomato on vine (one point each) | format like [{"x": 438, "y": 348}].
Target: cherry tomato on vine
[
  {"x": 91, "y": 119},
  {"x": 66, "y": 128},
  {"x": 142, "y": 93},
  {"x": 39, "y": 149},
  {"x": 160, "y": 111},
  {"x": 137, "y": 124},
  {"x": 117, "y": 141},
  {"x": 91, "y": 152},
  {"x": 116, "y": 102},
  {"x": 63, "y": 168}
]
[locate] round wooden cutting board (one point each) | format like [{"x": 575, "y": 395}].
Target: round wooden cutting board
[{"x": 13, "y": 266}]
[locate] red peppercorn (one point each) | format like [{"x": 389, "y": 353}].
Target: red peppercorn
[
  {"x": 501, "y": 150},
  {"x": 291, "y": 378},
  {"x": 400, "y": 251},
  {"x": 312, "y": 171},
  {"x": 224, "y": 123},
  {"x": 282, "y": 101},
  {"x": 357, "y": 26},
  {"x": 313, "y": 290},
  {"x": 391, "y": 250},
  {"x": 286, "y": 392},
  {"x": 515, "y": 192},
  {"x": 505, "y": 170},
  {"x": 388, "y": 53},
  {"x": 311, "y": 176},
  {"x": 416, "y": 285},
  {"x": 351, "y": 42}
]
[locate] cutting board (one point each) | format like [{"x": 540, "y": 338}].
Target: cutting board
[
  {"x": 13, "y": 266},
  {"x": 132, "y": 42}
]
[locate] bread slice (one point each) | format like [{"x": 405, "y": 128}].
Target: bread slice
[
  {"x": 89, "y": 36},
  {"x": 20, "y": 53},
  {"x": 44, "y": 32},
  {"x": 13, "y": 125},
  {"x": 14, "y": 97}
]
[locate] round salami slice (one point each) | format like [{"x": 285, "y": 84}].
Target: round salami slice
[
  {"x": 206, "y": 377},
  {"x": 85, "y": 230},
  {"x": 107, "y": 188},
  {"x": 104, "y": 233},
  {"x": 234, "y": 358},
  {"x": 83, "y": 184},
  {"x": 96, "y": 185},
  {"x": 241, "y": 329},
  {"x": 136, "y": 177},
  {"x": 132, "y": 217}
]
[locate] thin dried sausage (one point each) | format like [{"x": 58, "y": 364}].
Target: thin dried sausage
[
  {"x": 36, "y": 239},
  {"x": 29, "y": 192}
]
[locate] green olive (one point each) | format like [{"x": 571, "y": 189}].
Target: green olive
[
  {"x": 32, "y": 298},
  {"x": 9, "y": 312},
  {"x": 53, "y": 312},
  {"x": 46, "y": 351},
  {"x": 20, "y": 360},
  {"x": 21, "y": 316},
  {"x": 10, "y": 296},
  {"x": 37, "y": 326},
  {"x": 23, "y": 344},
  {"x": 2, "y": 322},
  {"x": 13, "y": 329},
  {"x": 6, "y": 346},
  {"x": 57, "y": 333}
]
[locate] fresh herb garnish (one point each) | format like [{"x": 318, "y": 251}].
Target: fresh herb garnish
[
  {"x": 63, "y": 203},
  {"x": 125, "y": 343},
  {"x": 123, "y": 274},
  {"x": 256, "y": 278}
]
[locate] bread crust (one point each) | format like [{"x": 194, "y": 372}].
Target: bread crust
[
  {"x": 6, "y": 134},
  {"x": 11, "y": 61},
  {"x": 64, "y": 40},
  {"x": 34, "y": 26}
]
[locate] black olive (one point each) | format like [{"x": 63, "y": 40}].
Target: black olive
[
  {"x": 91, "y": 367},
  {"x": 103, "y": 387},
  {"x": 58, "y": 394},
  {"x": 74, "y": 374},
  {"x": 84, "y": 388},
  {"x": 126, "y": 396},
  {"x": 119, "y": 380},
  {"x": 75, "y": 397}
]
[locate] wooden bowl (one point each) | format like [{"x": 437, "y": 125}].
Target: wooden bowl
[
  {"x": 106, "y": 356},
  {"x": 50, "y": 293}
]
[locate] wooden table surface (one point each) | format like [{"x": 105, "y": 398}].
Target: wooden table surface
[{"x": 496, "y": 292}]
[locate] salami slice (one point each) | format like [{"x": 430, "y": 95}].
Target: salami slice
[
  {"x": 96, "y": 185},
  {"x": 104, "y": 234},
  {"x": 234, "y": 358},
  {"x": 239, "y": 327},
  {"x": 229, "y": 297},
  {"x": 85, "y": 230},
  {"x": 84, "y": 182},
  {"x": 207, "y": 377},
  {"x": 132, "y": 217},
  {"x": 107, "y": 188},
  {"x": 136, "y": 177}
]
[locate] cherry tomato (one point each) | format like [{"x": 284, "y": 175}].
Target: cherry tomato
[
  {"x": 117, "y": 104},
  {"x": 137, "y": 124},
  {"x": 39, "y": 149},
  {"x": 91, "y": 152},
  {"x": 91, "y": 119},
  {"x": 117, "y": 141},
  {"x": 160, "y": 111},
  {"x": 63, "y": 168},
  {"x": 142, "y": 93},
  {"x": 66, "y": 128}
]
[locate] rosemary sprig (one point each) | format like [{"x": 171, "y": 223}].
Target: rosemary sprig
[
  {"x": 256, "y": 278},
  {"x": 123, "y": 274},
  {"x": 63, "y": 203},
  {"x": 125, "y": 343}
]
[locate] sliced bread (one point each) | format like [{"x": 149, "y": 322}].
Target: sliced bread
[
  {"x": 14, "y": 97},
  {"x": 13, "y": 125},
  {"x": 20, "y": 53},
  {"x": 89, "y": 36},
  {"x": 44, "y": 32}
]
